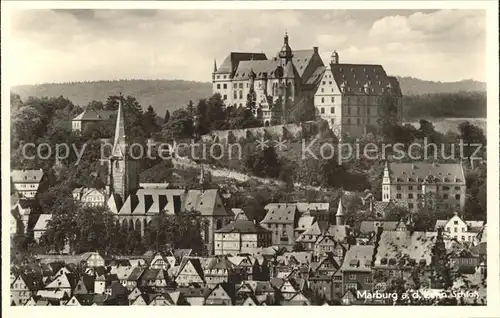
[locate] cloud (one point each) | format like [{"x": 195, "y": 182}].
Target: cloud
[{"x": 72, "y": 45}]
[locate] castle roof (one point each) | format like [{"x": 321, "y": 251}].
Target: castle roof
[
  {"x": 355, "y": 76},
  {"x": 259, "y": 67},
  {"x": 232, "y": 61}
]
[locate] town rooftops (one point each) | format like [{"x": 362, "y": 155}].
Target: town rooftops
[
  {"x": 394, "y": 245},
  {"x": 371, "y": 226},
  {"x": 26, "y": 176},
  {"x": 94, "y": 115},
  {"x": 410, "y": 173}
]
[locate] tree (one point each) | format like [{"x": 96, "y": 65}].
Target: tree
[
  {"x": 167, "y": 117},
  {"x": 190, "y": 107},
  {"x": 150, "y": 122},
  {"x": 388, "y": 117},
  {"x": 180, "y": 125},
  {"x": 262, "y": 163},
  {"x": 302, "y": 111},
  {"x": 470, "y": 135},
  {"x": 95, "y": 105}
]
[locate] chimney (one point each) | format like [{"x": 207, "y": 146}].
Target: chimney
[{"x": 315, "y": 49}]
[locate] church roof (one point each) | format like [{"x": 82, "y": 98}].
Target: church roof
[{"x": 232, "y": 61}]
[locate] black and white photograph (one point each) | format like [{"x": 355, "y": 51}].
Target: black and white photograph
[{"x": 227, "y": 156}]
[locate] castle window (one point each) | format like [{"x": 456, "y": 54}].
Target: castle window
[
  {"x": 333, "y": 99},
  {"x": 116, "y": 164},
  {"x": 241, "y": 85},
  {"x": 225, "y": 97},
  {"x": 241, "y": 94},
  {"x": 348, "y": 121},
  {"x": 457, "y": 196},
  {"x": 322, "y": 90},
  {"x": 324, "y": 82},
  {"x": 322, "y": 110},
  {"x": 322, "y": 100},
  {"x": 235, "y": 95},
  {"x": 218, "y": 86},
  {"x": 348, "y": 110},
  {"x": 330, "y": 82},
  {"x": 332, "y": 110},
  {"x": 225, "y": 76},
  {"x": 225, "y": 86},
  {"x": 410, "y": 195}
]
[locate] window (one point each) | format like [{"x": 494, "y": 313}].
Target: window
[
  {"x": 410, "y": 205},
  {"x": 241, "y": 94},
  {"x": 398, "y": 187},
  {"x": 455, "y": 230},
  {"x": 457, "y": 188},
  {"x": 332, "y": 110},
  {"x": 322, "y": 110},
  {"x": 445, "y": 196},
  {"x": 241, "y": 85},
  {"x": 463, "y": 237},
  {"x": 218, "y": 86},
  {"x": 446, "y": 188},
  {"x": 225, "y": 97},
  {"x": 410, "y": 188},
  {"x": 235, "y": 94},
  {"x": 333, "y": 99},
  {"x": 330, "y": 83},
  {"x": 398, "y": 196},
  {"x": 322, "y": 100},
  {"x": 225, "y": 86},
  {"x": 322, "y": 90},
  {"x": 348, "y": 121},
  {"x": 359, "y": 110},
  {"x": 410, "y": 195},
  {"x": 352, "y": 276},
  {"x": 324, "y": 83},
  {"x": 457, "y": 196},
  {"x": 357, "y": 121},
  {"x": 368, "y": 280},
  {"x": 348, "y": 110}
]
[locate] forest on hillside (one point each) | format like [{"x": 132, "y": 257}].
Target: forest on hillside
[{"x": 465, "y": 99}]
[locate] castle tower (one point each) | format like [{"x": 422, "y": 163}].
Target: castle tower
[
  {"x": 285, "y": 56},
  {"x": 386, "y": 184},
  {"x": 215, "y": 70},
  {"x": 334, "y": 58},
  {"x": 340, "y": 217},
  {"x": 123, "y": 168}
]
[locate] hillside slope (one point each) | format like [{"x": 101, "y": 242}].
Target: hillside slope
[{"x": 173, "y": 94}]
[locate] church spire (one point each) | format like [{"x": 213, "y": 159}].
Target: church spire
[
  {"x": 120, "y": 136},
  {"x": 215, "y": 65}
]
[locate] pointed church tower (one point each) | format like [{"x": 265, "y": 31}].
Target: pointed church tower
[
  {"x": 340, "y": 213},
  {"x": 123, "y": 168},
  {"x": 386, "y": 184}
]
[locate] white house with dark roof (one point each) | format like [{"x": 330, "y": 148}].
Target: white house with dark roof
[
  {"x": 90, "y": 196},
  {"x": 412, "y": 182},
  {"x": 461, "y": 230},
  {"x": 88, "y": 117},
  {"x": 349, "y": 96},
  {"x": 241, "y": 236},
  {"x": 26, "y": 182}
]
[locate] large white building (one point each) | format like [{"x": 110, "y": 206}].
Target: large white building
[
  {"x": 411, "y": 181},
  {"x": 349, "y": 96}
]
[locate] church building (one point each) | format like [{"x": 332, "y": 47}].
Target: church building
[{"x": 135, "y": 204}]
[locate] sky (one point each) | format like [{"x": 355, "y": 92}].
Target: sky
[{"x": 53, "y": 46}]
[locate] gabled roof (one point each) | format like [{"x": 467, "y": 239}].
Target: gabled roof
[
  {"x": 95, "y": 115},
  {"x": 396, "y": 244},
  {"x": 41, "y": 224},
  {"x": 26, "y": 176},
  {"x": 244, "y": 227},
  {"x": 358, "y": 259},
  {"x": 282, "y": 213}
]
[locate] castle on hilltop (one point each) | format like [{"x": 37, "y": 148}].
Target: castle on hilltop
[{"x": 347, "y": 96}]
